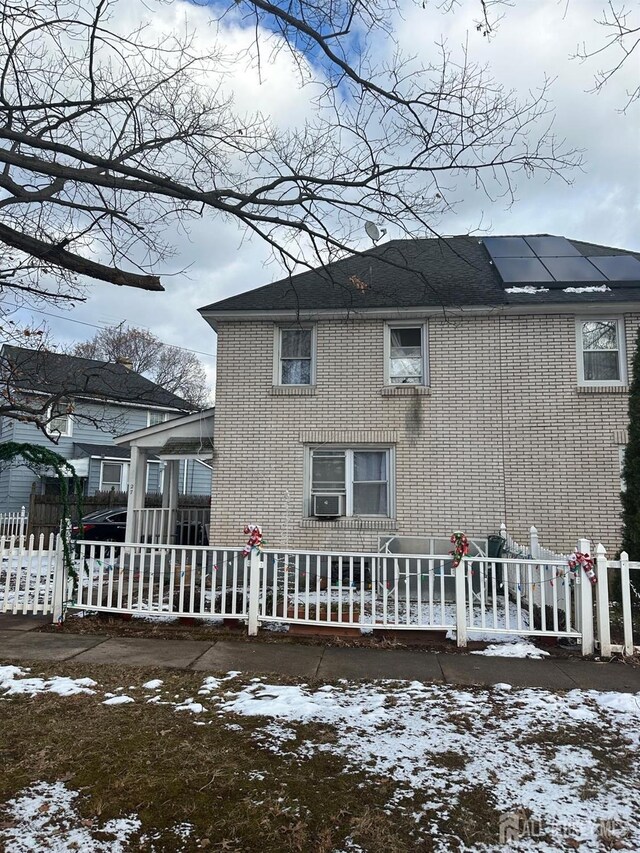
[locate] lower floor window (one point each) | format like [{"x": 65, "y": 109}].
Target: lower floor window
[
  {"x": 113, "y": 476},
  {"x": 350, "y": 481}
]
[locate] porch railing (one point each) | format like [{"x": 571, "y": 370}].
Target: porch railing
[
  {"x": 14, "y": 524},
  {"x": 182, "y": 526}
]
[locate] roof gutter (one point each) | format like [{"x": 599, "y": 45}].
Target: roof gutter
[{"x": 214, "y": 318}]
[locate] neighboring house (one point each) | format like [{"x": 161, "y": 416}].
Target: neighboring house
[
  {"x": 426, "y": 386},
  {"x": 97, "y": 400}
]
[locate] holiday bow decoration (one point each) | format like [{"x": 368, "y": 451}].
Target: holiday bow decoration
[
  {"x": 460, "y": 547},
  {"x": 579, "y": 559},
  {"x": 254, "y": 532}
]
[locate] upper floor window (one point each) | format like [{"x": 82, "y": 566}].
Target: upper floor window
[
  {"x": 601, "y": 352},
  {"x": 59, "y": 419},
  {"x": 406, "y": 354},
  {"x": 154, "y": 417},
  {"x": 295, "y": 363}
]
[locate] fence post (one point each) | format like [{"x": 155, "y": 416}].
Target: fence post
[
  {"x": 534, "y": 544},
  {"x": 602, "y": 601},
  {"x": 625, "y": 583},
  {"x": 254, "y": 591},
  {"x": 461, "y": 604},
  {"x": 23, "y": 525},
  {"x": 586, "y": 603},
  {"x": 59, "y": 581}
]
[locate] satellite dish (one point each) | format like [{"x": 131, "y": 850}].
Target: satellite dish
[{"x": 373, "y": 231}]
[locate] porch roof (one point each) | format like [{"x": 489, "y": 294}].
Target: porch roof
[
  {"x": 187, "y": 447},
  {"x": 188, "y": 437}
]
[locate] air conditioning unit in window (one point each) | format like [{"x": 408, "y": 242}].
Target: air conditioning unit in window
[{"x": 328, "y": 505}]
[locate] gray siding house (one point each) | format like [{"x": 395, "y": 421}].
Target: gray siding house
[
  {"x": 91, "y": 402},
  {"x": 426, "y": 386}
]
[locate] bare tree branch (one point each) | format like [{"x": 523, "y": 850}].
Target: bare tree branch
[{"x": 111, "y": 139}]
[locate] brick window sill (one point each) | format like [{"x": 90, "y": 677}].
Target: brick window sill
[
  {"x": 293, "y": 390},
  {"x": 350, "y": 523},
  {"x": 603, "y": 389},
  {"x": 405, "y": 391}
]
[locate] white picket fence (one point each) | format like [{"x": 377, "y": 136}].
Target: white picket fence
[
  {"x": 483, "y": 598},
  {"x": 14, "y": 524},
  {"x": 29, "y": 572},
  {"x": 605, "y": 570},
  {"x": 153, "y": 580}
]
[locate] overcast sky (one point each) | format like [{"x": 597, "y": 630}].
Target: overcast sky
[{"x": 535, "y": 38}]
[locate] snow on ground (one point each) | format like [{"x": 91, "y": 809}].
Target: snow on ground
[
  {"x": 118, "y": 700},
  {"x": 513, "y": 650},
  {"x": 568, "y": 759},
  {"x": 12, "y": 683},
  {"x": 446, "y": 741},
  {"x": 44, "y": 817}
]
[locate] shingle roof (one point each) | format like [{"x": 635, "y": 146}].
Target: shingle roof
[
  {"x": 202, "y": 447},
  {"x": 53, "y": 372},
  {"x": 110, "y": 450},
  {"x": 453, "y": 271}
]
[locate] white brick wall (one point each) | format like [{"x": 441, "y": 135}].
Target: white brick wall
[{"x": 504, "y": 433}]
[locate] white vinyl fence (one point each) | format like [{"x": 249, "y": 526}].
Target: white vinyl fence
[
  {"x": 482, "y": 598},
  {"x": 29, "y": 572},
  {"x": 170, "y": 580},
  {"x": 627, "y": 587},
  {"x": 14, "y": 524}
]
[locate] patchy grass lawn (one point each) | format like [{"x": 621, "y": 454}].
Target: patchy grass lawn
[{"x": 237, "y": 764}]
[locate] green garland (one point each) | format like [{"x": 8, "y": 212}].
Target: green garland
[{"x": 36, "y": 456}]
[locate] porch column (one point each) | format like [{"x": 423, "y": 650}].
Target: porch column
[
  {"x": 170, "y": 496},
  {"x": 137, "y": 490}
]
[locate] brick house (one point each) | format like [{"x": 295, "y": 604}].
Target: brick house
[{"x": 425, "y": 386}]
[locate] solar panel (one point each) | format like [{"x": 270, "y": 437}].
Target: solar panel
[
  {"x": 552, "y": 247},
  {"x": 508, "y": 247},
  {"x": 618, "y": 267},
  {"x": 573, "y": 269},
  {"x": 519, "y": 270}
]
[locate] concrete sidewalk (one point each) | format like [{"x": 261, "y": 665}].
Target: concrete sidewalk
[{"x": 19, "y": 642}]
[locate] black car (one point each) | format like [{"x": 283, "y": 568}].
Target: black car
[
  {"x": 110, "y": 525},
  {"x": 104, "y": 525}
]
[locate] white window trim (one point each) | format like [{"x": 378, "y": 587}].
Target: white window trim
[
  {"x": 406, "y": 324},
  {"x": 350, "y": 449},
  {"x": 124, "y": 475},
  {"x": 161, "y": 467},
  {"x": 165, "y": 417},
  {"x": 622, "y": 358},
  {"x": 277, "y": 344},
  {"x": 69, "y": 430}
]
